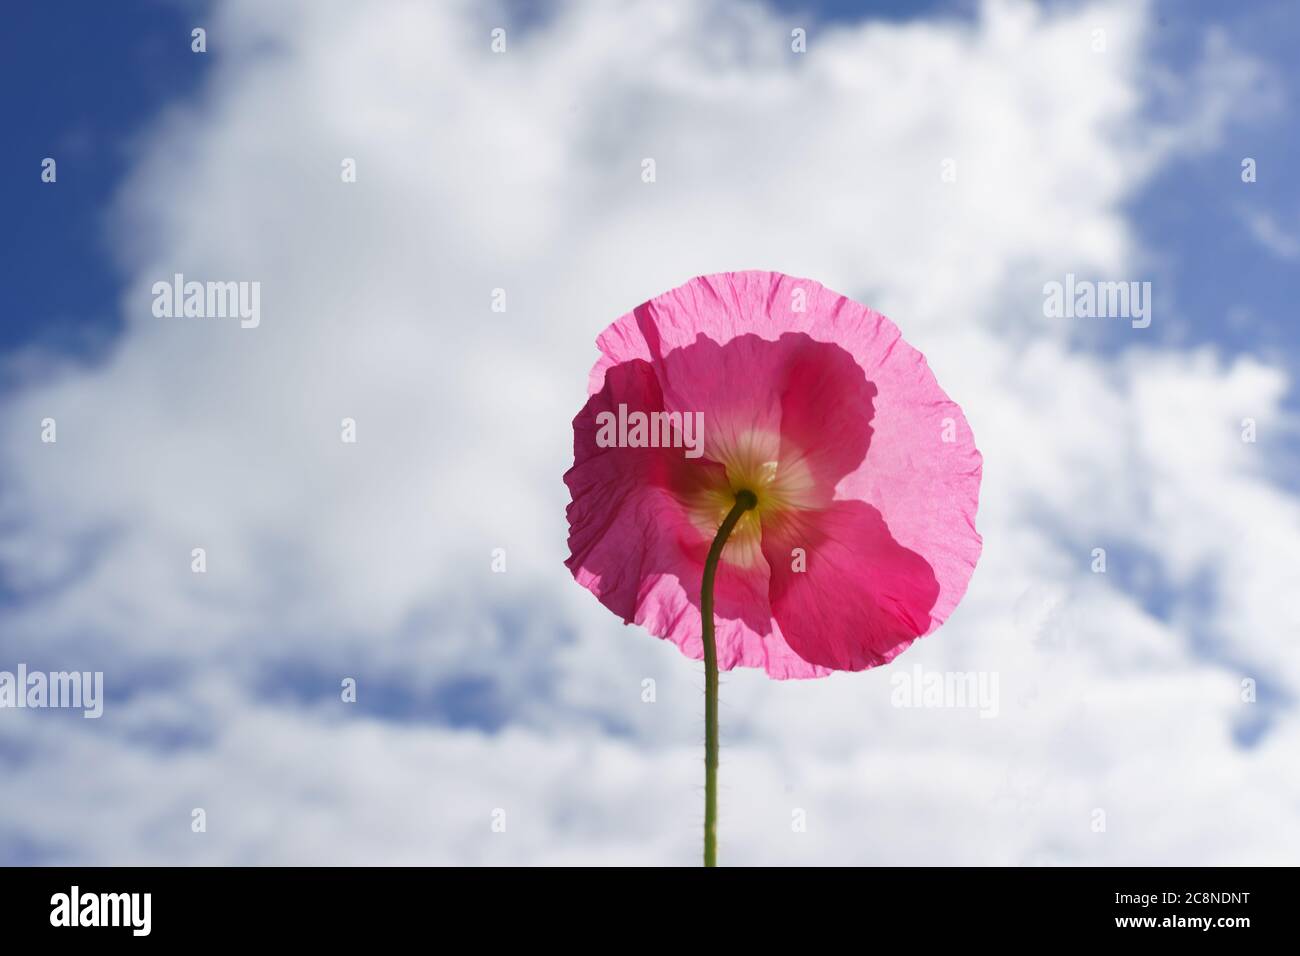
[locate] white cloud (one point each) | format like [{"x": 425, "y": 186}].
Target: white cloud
[
  {"x": 1269, "y": 233},
  {"x": 522, "y": 171}
]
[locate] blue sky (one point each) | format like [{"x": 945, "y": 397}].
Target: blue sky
[
  {"x": 485, "y": 690},
  {"x": 81, "y": 80}
]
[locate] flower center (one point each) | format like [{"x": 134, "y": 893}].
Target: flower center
[{"x": 756, "y": 464}]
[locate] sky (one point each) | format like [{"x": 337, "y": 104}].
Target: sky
[{"x": 940, "y": 162}]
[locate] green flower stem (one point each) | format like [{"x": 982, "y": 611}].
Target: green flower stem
[{"x": 744, "y": 501}]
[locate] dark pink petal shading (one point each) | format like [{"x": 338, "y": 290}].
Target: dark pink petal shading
[{"x": 861, "y": 597}]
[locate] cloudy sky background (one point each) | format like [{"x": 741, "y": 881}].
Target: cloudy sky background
[{"x": 478, "y": 691}]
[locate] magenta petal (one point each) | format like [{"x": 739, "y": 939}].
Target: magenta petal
[{"x": 846, "y": 594}]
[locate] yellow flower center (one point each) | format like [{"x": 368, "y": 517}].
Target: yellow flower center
[{"x": 755, "y": 461}]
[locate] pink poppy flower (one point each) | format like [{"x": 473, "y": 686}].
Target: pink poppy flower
[{"x": 864, "y": 474}]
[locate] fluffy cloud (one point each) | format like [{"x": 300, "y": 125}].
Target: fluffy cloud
[{"x": 479, "y": 691}]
